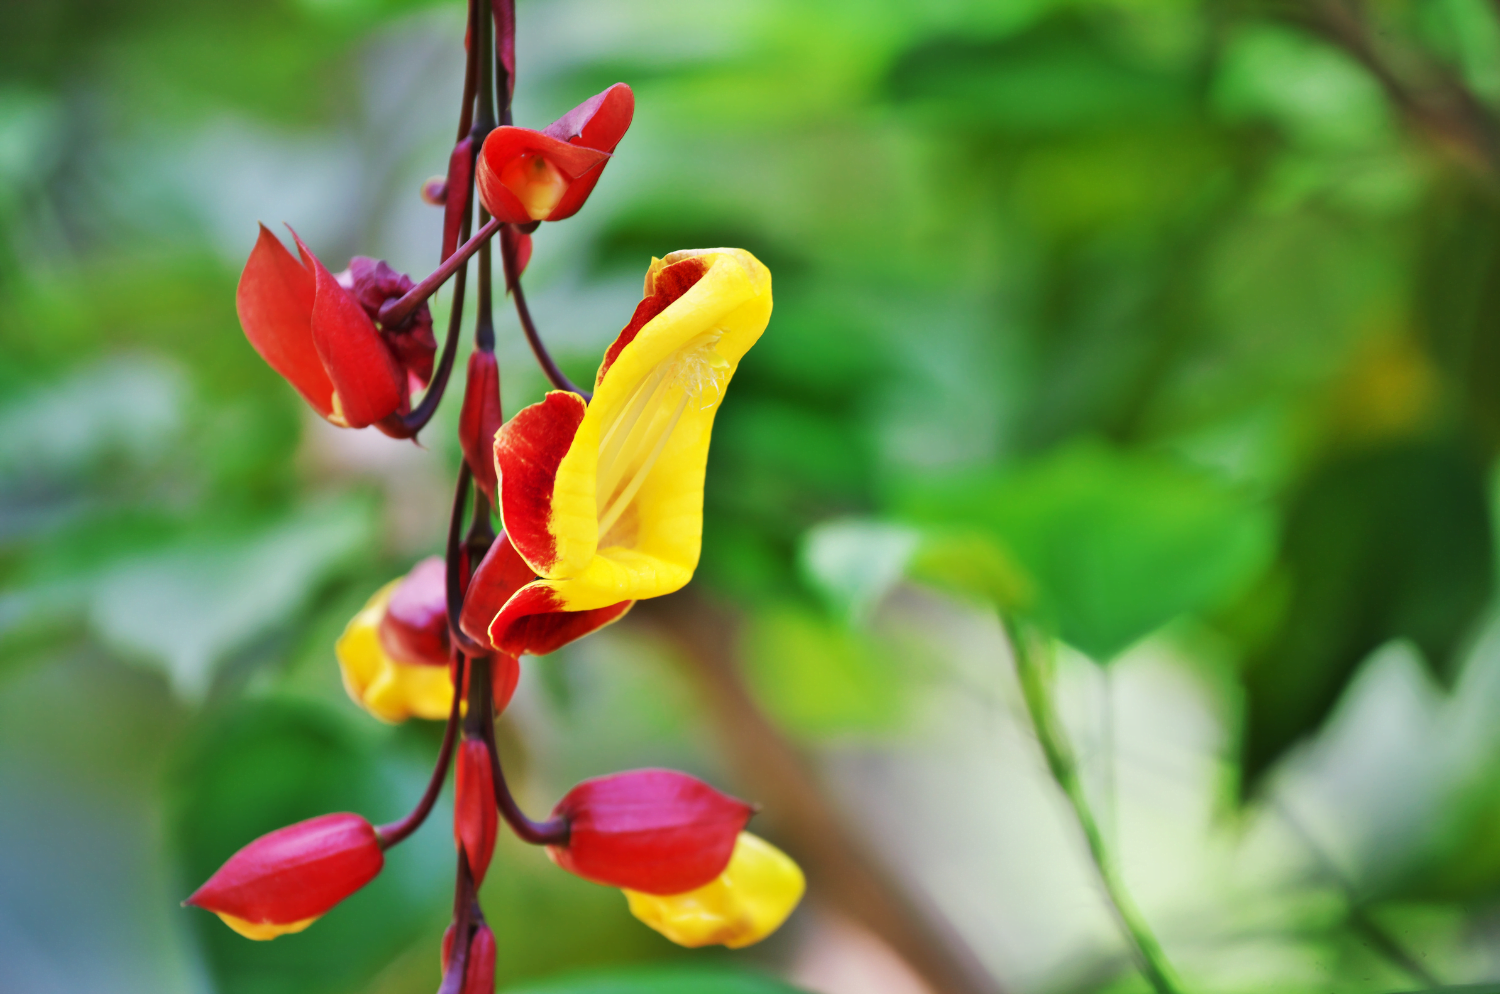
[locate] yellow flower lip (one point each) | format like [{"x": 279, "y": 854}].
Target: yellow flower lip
[
  {"x": 757, "y": 891},
  {"x": 604, "y": 501},
  {"x": 264, "y": 931}
]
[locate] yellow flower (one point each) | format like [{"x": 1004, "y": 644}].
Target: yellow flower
[
  {"x": 390, "y": 690},
  {"x": 604, "y": 501},
  {"x": 747, "y": 902}
]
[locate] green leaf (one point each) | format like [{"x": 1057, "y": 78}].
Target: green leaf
[
  {"x": 1116, "y": 544},
  {"x": 659, "y": 981},
  {"x": 1390, "y": 543}
]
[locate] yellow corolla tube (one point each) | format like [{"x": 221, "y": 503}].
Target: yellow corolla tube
[
  {"x": 604, "y": 501},
  {"x": 389, "y": 689},
  {"x": 747, "y": 902}
]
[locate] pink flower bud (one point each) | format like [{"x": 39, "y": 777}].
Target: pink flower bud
[
  {"x": 655, "y": 831},
  {"x": 285, "y": 880}
]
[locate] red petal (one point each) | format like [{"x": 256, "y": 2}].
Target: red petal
[
  {"x": 528, "y": 450},
  {"x": 365, "y": 375},
  {"x": 479, "y": 971},
  {"x": 671, "y": 282},
  {"x": 500, "y": 574},
  {"x": 475, "y": 817},
  {"x": 533, "y": 622},
  {"x": 456, "y": 208},
  {"x": 507, "y": 674},
  {"x": 414, "y": 628},
  {"x": 480, "y": 418},
  {"x": 296, "y": 872},
  {"x": 599, "y": 122},
  {"x": 508, "y": 143},
  {"x": 657, "y": 831},
  {"x": 275, "y": 304}
]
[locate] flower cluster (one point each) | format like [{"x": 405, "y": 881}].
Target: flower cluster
[{"x": 600, "y": 500}]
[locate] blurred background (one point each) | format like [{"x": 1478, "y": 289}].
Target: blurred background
[{"x": 1175, "y": 322}]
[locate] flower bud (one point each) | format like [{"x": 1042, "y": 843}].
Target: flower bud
[
  {"x": 480, "y": 418},
  {"x": 434, "y": 191},
  {"x": 284, "y": 881},
  {"x": 476, "y": 820},
  {"x": 505, "y": 676},
  {"x": 527, "y": 175},
  {"x": 747, "y": 902},
  {"x": 656, "y": 831},
  {"x": 456, "y": 204},
  {"x": 393, "y": 688},
  {"x": 479, "y": 972},
  {"x": 414, "y": 628}
]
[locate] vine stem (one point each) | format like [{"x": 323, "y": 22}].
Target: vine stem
[{"x": 1036, "y": 687}]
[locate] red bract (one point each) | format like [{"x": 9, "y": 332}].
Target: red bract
[
  {"x": 476, "y": 820},
  {"x": 414, "y": 628},
  {"x": 504, "y": 610},
  {"x": 294, "y": 874},
  {"x": 656, "y": 831},
  {"x": 316, "y": 330},
  {"x": 546, "y": 175},
  {"x": 479, "y": 972},
  {"x": 480, "y": 418}
]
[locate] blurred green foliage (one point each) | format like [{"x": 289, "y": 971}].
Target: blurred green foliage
[{"x": 1127, "y": 315}]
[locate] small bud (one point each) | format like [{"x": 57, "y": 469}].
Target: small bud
[
  {"x": 480, "y": 418},
  {"x": 747, "y": 902},
  {"x": 476, "y": 820},
  {"x": 518, "y": 244},
  {"x": 435, "y": 191},
  {"x": 414, "y": 628},
  {"x": 456, "y": 208},
  {"x": 507, "y": 674},
  {"x": 284, "y": 881},
  {"x": 388, "y": 688},
  {"x": 479, "y": 972},
  {"x": 657, "y": 831}
]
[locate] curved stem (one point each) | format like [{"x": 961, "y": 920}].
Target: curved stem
[
  {"x": 513, "y": 279},
  {"x": 1036, "y": 688},
  {"x": 397, "y": 831},
  {"x": 394, "y": 313},
  {"x": 553, "y": 832}
]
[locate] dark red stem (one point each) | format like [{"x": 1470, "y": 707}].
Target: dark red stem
[
  {"x": 513, "y": 279},
  {"x": 457, "y": 583},
  {"x": 397, "y": 831},
  {"x": 554, "y": 831},
  {"x": 394, "y": 313}
]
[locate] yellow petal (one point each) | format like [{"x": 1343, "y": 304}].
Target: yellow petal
[
  {"x": 627, "y": 505},
  {"x": 747, "y": 902},
  {"x": 262, "y": 931},
  {"x": 391, "y": 691}
]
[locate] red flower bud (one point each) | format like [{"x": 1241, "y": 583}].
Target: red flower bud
[
  {"x": 507, "y": 674},
  {"x": 480, "y": 418},
  {"x": 519, "y": 247},
  {"x": 476, "y": 820},
  {"x": 479, "y": 972},
  {"x": 527, "y": 175},
  {"x": 317, "y": 330},
  {"x": 281, "y": 882},
  {"x": 456, "y": 206},
  {"x": 656, "y": 831},
  {"x": 434, "y": 191},
  {"x": 414, "y": 628}
]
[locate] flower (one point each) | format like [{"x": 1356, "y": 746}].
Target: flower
[
  {"x": 603, "y": 503},
  {"x": 526, "y": 175},
  {"x": 747, "y": 902},
  {"x": 317, "y": 330},
  {"x": 394, "y": 653},
  {"x": 284, "y": 881},
  {"x": 657, "y": 831}
]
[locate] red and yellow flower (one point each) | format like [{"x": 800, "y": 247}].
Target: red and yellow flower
[{"x": 603, "y": 501}]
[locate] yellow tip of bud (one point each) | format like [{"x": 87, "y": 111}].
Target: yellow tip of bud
[
  {"x": 747, "y": 902},
  {"x": 264, "y": 931}
]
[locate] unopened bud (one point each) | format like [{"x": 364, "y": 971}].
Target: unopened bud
[
  {"x": 435, "y": 191},
  {"x": 656, "y": 831},
  {"x": 479, "y": 972},
  {"x": 282, "y": 882},
  {"x": 476, "y": 820},
  {"x": 480, "y": 418}
]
